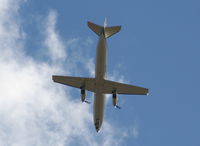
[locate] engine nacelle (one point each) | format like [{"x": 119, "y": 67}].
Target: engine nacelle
[
  {"x": 83, "y": 95},
  {"x": 115, "y": 99}
]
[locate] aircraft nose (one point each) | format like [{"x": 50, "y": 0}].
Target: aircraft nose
[
  {"x": 97, "y": 129},
  {"x": 97, "y": 125}
]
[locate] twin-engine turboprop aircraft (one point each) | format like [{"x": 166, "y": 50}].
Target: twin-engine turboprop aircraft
[{"x": 99, "y": 85}]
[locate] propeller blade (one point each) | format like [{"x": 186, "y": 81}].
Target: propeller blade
[
  {"x": 118, "y": 107},
  {"x": 87, "y": 102}
]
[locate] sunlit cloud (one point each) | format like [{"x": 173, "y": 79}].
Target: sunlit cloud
[
  {"x": 54, "y": 43},
  {"x": 33, "y": 109}
]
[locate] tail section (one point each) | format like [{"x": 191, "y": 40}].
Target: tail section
[
  {"x": 107, "y": 31},
  {"x": 96, "y": 28}
]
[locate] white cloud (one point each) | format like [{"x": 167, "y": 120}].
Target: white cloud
[
  {"x": 135, "y": 132},
  {"x": 54, "y": 43},
  {"x": 35, "y": 111},
  {"x": 91, "y": 67}
]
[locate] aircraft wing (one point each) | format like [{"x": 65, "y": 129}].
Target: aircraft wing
[
  {"x": 76, "y": 82},
  {"x": 108, "y": 86},
  {"x": 121, "y": 88}
]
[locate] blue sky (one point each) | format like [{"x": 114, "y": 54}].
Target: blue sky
[{"x": 157, "y": 48}]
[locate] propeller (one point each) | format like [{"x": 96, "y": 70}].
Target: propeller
[
  {"x": 118, "y": 107},
  {"x": 87, "y": 102}
]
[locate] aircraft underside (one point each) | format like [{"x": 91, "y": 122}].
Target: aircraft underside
[{"x": 99, "y": 85}]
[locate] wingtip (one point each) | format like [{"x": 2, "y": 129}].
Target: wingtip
[
  {"x": 53, "y": 77},
  {"x": 88, "y": 22},
  {"x": 147, "y": 92}
]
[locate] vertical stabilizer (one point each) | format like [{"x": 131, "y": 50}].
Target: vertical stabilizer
[
  {"x": 107, "y": 31},
  {"x": 105, "y": 22}
]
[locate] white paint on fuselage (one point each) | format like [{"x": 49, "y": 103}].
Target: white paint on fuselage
[{"x": 100, "y": 75}]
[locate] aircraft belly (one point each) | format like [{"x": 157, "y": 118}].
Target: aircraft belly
[
  {"x": 98, "y": 84},
  {"x": 100, "y": 76},
  {"x": 101, "y": 58},
  {"x": 99, "y": 101}
]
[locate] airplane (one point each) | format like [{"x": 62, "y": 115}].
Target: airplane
[{"x": 99, "y": 85}]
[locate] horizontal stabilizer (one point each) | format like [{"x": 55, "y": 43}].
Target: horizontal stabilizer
[
  {"x": 107, "y": 31},
  {"x": 96, "y": 28}
]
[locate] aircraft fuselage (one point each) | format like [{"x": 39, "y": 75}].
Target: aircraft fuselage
[{"x": 100, "y": 75}]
